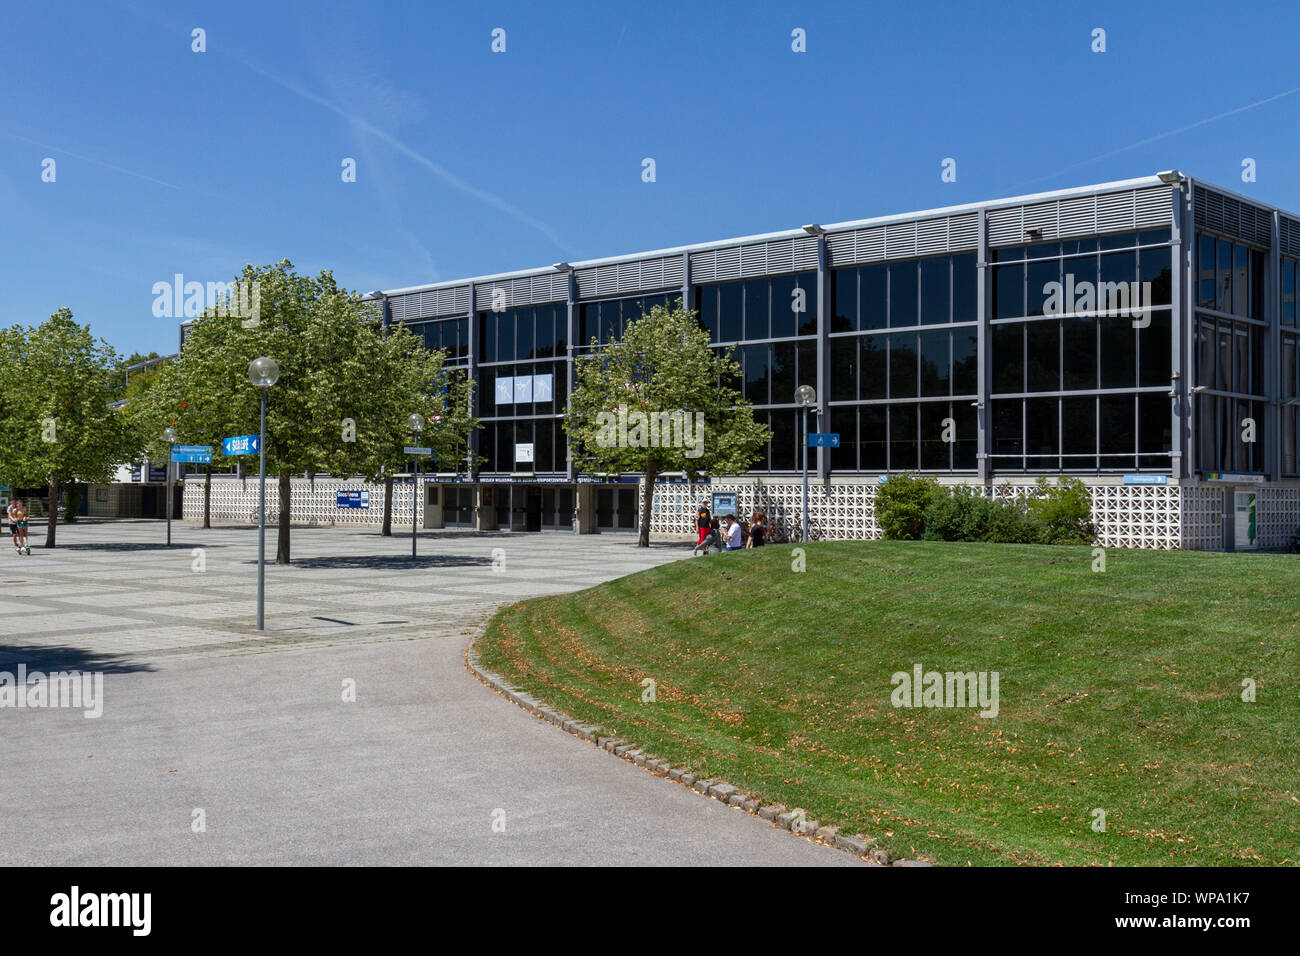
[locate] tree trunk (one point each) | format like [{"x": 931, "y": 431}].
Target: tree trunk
[
  {"x": 282, "y": 539},
  {"x": 207, "y": 498},
  {"x": 52, "y": 518},
  {"x": 387, "y": 531},
  {"x": 647, "y": 507}
]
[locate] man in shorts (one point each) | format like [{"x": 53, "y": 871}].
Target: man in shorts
[{"x": 18, "y": 526}]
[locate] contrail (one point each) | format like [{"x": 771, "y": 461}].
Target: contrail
[
  {"x": 1165, "y": 135},
  {"x": 448, "y": 177},
  {"x": 87, "y": 159}
]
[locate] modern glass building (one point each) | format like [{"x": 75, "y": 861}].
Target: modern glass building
[{"x": 1141, "y": 335}]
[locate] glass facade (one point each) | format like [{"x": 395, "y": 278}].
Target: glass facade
[
  {"x": 522, "y": 389},
  {"x": 1081, "y": 342},
  {"x": 1231, "y": 335}
]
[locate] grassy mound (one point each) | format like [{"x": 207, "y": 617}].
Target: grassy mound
[{"x": 1119, "y": 691}]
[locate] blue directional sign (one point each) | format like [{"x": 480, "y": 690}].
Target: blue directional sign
[
  {"x": 240, "y": 445},
  {"x": 192, "y": 454},
  {"x": 824, "y": 440}
]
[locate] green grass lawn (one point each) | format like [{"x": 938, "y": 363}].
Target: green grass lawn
[{"x": 1119, "y": 690}]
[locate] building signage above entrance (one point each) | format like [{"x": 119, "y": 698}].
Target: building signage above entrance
[
  {"x": 1234, "y": 477},
  {"x": 1146, "y": 479}
]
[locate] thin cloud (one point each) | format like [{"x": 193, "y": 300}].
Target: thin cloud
[
  {"x": 445, "y": 175},
  {"x": 87, "y": 159},
  {"x": 1165, "y": 135}
]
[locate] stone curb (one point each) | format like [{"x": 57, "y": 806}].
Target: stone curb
[{"x": 795, "y": 821}]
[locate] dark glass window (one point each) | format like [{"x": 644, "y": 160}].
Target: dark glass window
[
  {"x": 966, "y": 447},
  {"x": 1119, "y": 268},
  {"x": 1079, "y": 432},
  {"x": 525, "y": 334},
  {"x": 785, "y": 439},
  {"x": 731, "y": 312},
  {"x": 844, "y": 369},
  {"x": 1223, "y": 277},
  {"x": 1008, "y": 292},
  {"x": 1241, "y": 281},
  {"x": 1288, "y": 293},
  {"x": 544, "y": 446},
  {"x": 757, "y": 319},
  {"x": 807, "y": 366},
  {"x": 1008, "y": 432},
  {"x": 936, "y": 453},
  {"x": 1118, "y": 352},
  {"x": 1075, "y": 272},
  {"x": 902, "y": 365},
  {"x": 1042, "y": 433},
  {"x": 785, "y": 321},
  {"x": 708, "y": 311},
  {"x": 611, "y": 321},
  {"x": 1009, "y": 357},
  {"x": 965, "y": 288},
  {"x": 784, "y": 381},
  {"x": 1079, "y": 352},
  {"x": 1154, "y": 268},
  {"x": 487, "y": 333},
  {"x": 873, "y": 374},
  {"x": 1154, "y": 347},
  {"x": 505, "y": 336},
  {"x": 1116, "y": 431},
  {"x": 902, "y": 294},
  {"x": 756, "y": 373},
  {"x": 1154, "y": 430},
  {"x": 844, "y": 422},
  {"x": 1075, "y": 247},
  {"x": 873, "y": 438},
  {"x": 1039, "y": 276},
  {"x": 935, "y": 295},
  {"x": 1206, "y": 281},
  {"x": 1043, "y": 355},
  {"x": 1122, "y": 240},
  {"x": 902, "y": 437},
  {"x": 965, "y": 362},
  {"x": 934, "y": 363},
  {"x": 871, "y": 301},
  {"x": 844, "y": 300},
  {"x": 808, "y": 317}
]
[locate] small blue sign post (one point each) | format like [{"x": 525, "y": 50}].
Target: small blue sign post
[
  {"x": 241, "y": 445},
  {"x": 824, "y": 440},
  {"x": 192, "y": 454}
]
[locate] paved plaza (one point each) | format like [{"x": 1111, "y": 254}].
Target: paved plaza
[{"x": 206, "y": 719}]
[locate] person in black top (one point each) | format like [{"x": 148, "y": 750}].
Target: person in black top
[
  {"x": 757, "y": 531},
  {"x": 703, "y": 521}
]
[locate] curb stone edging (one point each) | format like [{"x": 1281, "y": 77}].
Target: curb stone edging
[{"x": 794, "y": 821}]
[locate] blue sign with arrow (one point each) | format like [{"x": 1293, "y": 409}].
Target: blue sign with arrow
[
  {"x": 192, "y": 454},
  {"x": 240, "y": 445},
  {"x": 824, "y": 440}
]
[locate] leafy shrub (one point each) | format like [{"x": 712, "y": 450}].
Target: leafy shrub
[
  {"x": 1064, "y": 511},
  {"x": 901, "y": 503},
  {"x": 966, "y": 514}
]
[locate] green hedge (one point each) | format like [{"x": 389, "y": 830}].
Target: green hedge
[{"x": 909, "y": 507}]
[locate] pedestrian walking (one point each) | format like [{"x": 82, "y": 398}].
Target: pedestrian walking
[
  {"x": 735, "y": 534},
  {"x": 17, "y": 513},
  {"x": 757, "y": 536},
  {"x": 703, "y": 522}
]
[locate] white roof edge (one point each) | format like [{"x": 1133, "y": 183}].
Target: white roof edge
[{"x": 789, "y": 233}]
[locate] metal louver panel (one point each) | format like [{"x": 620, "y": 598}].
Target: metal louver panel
[
  {"x": 1043, "y": 218},
  {"x": 1115, "y": 212},
  {"x": 728, "y": 264},
  {"x": 931, "y": 236},
  {"x": 780, "y": 256},
  {"x": 1289, "y": 236},
  {"x": 1229, "y": 217},
  {"x": 1154, "y": 207},
  {"x": 963, "y": 232},
  {"x": 1005, "y": 228},
  {"x": 1076, "y": 217},
  {"x": 804, "y": 254},
  {"x": 900, "y": 240}
]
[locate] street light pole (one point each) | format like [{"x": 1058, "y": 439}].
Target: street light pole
[
  {"x": 170, "y": 435},
  {"x": 416, "y": 422},
  {"x": 806, "y": 396},
  {"x": 262, "y": 372}
]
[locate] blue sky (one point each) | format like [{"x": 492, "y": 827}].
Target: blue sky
[{"x": 471, "y": 162}]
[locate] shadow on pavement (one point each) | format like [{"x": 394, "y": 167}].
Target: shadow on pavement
[
  {"x": 64, "y": 657},
  {"x": 123, "y": 546},
  {"x": 383, "y": 562}
]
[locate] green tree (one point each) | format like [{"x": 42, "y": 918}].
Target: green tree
[
  {"x": 56, "y": 424},
  {"x": 345, "y": 387},
  {"x": 660, "y": 400}
]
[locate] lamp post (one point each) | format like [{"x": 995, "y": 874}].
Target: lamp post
[
  {"x": 263, "y": 373},
  {"x": 415, "y": 421},
  {"x": 170, "y": 435},
  {"x": 805, "y": 396}
]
